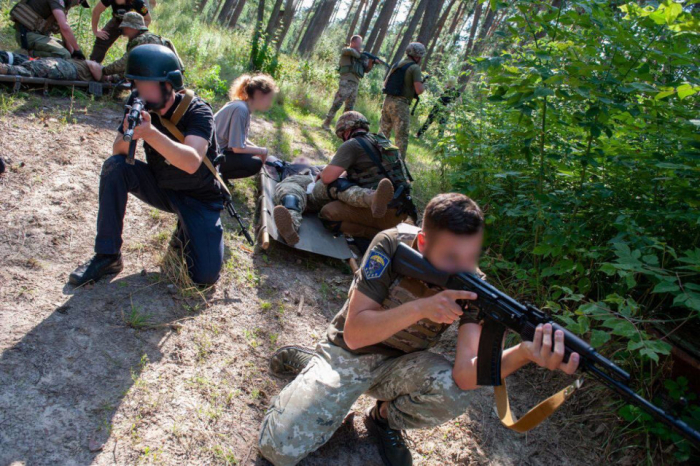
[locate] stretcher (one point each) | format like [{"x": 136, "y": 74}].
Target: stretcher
[
  {"x": 93, "y": 87},
  {"x": 313, "y": 236}
]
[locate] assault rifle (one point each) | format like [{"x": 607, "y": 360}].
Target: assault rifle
[
  {"x": 501, "y": 312},
  {"x": 376, "y": 59},
  {"x": 133, "y": 119},
  {"x": 413, "y": 110},
  {"x": 228, "y": 205}
]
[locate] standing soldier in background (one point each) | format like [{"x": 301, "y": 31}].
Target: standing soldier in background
[
  {"x": 37, "y": 20},
  {"x": 105, "y": 37},
  {"x": 352, "y": 67},
  {"x": 133, "y": 27},
  {"x": 403, "y": 84}
]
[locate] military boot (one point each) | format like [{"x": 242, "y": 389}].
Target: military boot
[
  {"x": 382, "y": 197},
  {"x": 285, "y": 225},
  {"x": 290, "y": 360},
  {"x": 392, "y": 446},
  {"x": 326, "y": 124},
  {"x": 96, "y": 268}
]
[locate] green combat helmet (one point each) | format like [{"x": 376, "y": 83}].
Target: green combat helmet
[
  {"x": 152, "y": 62},
  {"x": 350, "y": 120},
  {"x": 133, "y": 20},
  {"x": 416, "y": 50}
]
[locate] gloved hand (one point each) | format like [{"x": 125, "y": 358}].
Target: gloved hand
[{"x": 78, "y": 55}]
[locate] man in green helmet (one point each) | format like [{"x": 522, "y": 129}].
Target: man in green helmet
[{"x": 179, "y": 142}]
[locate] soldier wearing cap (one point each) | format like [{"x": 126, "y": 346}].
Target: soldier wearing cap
[
  {"x": 178, "y": 138},
  {"x": 367, "y": 159},
  {"x": 36, "y": 21},
  {"x": 134, "y": 28},
  {"x": 403, "y": 83},
  {"x": 105, "y": 37}
]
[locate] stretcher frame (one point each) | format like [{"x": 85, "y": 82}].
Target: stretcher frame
[{"x": 93, "y": 87}]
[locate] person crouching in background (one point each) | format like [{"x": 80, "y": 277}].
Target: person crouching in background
[{"x": 241, "y": 158}]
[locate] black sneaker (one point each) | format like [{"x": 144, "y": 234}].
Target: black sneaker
[
  {"x": 392, "y": 445},
  {"x": 96, "y": 268},
  {"x": 290, "y": 360}
]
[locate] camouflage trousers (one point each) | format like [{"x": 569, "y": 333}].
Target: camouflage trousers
[
  {"x": 396, "y": 116},
  {"x": 296, "y": 185},
  {"x": 51, "y": 68},
  {"x": 418, "y": 386},
  {"x": 347, "y": 92}
]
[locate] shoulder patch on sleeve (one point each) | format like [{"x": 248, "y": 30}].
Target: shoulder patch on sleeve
[{"x": 377, "y": 262}]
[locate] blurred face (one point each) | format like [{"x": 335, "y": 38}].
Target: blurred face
[
  {"x": 130, "y": 32},
  {"x": 261, "y": 101},
  {"x": 450, "y": 252},
  {"x": 356, "y": 44},
  {"x": 152, "y": 94},
  {"x": 302, "y": 161}
]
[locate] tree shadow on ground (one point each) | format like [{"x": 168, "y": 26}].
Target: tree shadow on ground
[{"x": 61, "y": 385}]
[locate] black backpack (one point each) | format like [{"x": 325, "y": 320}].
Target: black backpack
[{"x": 393, "y": 84}]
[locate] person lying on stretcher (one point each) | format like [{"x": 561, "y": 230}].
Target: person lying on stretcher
[
  {"x": 300, "y": 191},
  {"x": 59, "y": 69}
]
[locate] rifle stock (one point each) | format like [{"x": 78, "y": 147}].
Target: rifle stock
[
  {"x": 133, "y": 119},
  {"x": 501, "y": 313}
]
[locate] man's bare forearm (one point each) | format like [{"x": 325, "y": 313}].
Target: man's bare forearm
[
  {"x": 370, "y": 327},
  {"x": 179, "y": 155},
  {"x": 464, "y": 370}
]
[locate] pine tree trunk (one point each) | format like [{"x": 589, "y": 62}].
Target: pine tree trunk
[
  {"x": 402, "y": 29},
  {"x": 355, "y": 19},
  {"x": 464, "y": 78},
  {"x": 202, "y": 5},
  {"x": 317, "y": 26},
  {"x": 440, "y": 24},
  {"x": 456, "y": 19},
  {"x": 381, "y": 24},
  {"x": 273, "y": 22},
  {"x": 310, "y": 12},
  {"x": 430, "y": 17},
  {"x": 411, "y": 30},
  {"x": 236, "y": 14},
  {"x": 225, "y": 10},
  {"x": 289, "y": 9},
  {"x": 368, "y": 17}
]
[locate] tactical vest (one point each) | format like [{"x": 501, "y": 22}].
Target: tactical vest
[
  {"x": 24, "y": 15},
  {"x": 394, "y": 82},
  {"x": 387, "y": 164},
  {"x": 355, "y": 67},
  {"x": 392, "y": 166},
  {"x": 167, "y": 175},
  {"x": 423, "y": 334}
]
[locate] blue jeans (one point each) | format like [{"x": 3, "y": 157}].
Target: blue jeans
[{"x": 199, "y": 222}]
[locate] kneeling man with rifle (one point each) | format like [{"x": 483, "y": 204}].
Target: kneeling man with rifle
[
  {"x": 177, "y": 129},
  {"x": 412, "y": 285},
  {"x": 378, "y": 344}
]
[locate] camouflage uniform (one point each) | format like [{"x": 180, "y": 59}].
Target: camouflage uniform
[
  {"x": 396, "y": 110},
  {"x": 418, "y": 384},
  {"x": 351, "y": 67},
  {"x": 396, "y": 115},
  {"x": 51, "y": 68},
  {"x": 296, "y": 185},
  {"x": 135, "y": 21}
]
